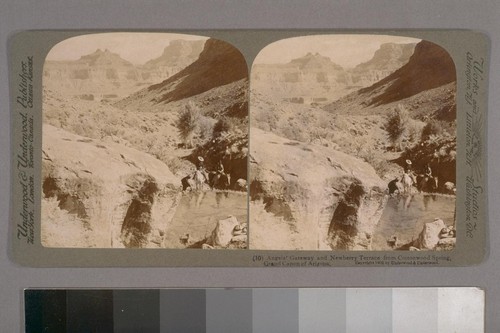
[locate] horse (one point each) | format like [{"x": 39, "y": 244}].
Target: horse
[
  {"x": 200, "y": 178},
  {"x": 219, "y": 181},
  {"x": 187, "y": 183},
  {"x": 427, "y": 184},
  {"x": 394, "y": 186},
  {"x": 407, "y": 181}
]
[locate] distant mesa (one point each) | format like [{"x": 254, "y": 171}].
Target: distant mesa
[
  {"x": 104, "y": 72},
  {"x": 103, "y": 58},
  {"x": 316, "y": 78},
  {"x": 315, "y": 61}
]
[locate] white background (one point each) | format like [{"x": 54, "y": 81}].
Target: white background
[{"x": 17, "y": 15}]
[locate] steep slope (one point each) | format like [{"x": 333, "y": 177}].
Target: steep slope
[
  {"x": 217, "y": 82},
  {"x": 429, "y": 67},
  {"x": 387, "y": 59},
  {"x": 219, "y": 64}
]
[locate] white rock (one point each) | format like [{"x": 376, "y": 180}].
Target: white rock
[{"x": 223, "y": 232}]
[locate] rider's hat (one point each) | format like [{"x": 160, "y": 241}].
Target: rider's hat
[
  {"x": 408, "y": 162},
  {"x": 200, "y": 159}
]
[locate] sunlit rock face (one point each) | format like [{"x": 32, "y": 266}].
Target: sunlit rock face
[{"x": 323, "y": 199}]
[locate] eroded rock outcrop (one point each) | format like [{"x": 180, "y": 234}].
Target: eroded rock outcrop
[
  {"x": 326, "y": 199},
  {"x": 356, "y": 216},
  {"x": 124, "y": 197}
]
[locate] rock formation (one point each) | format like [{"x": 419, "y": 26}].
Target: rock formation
[
  {"x": 105, "y": 75},
  {"x": 329, "y": 199},
  {"x": 219, "y": 64},
  {"x": 217, "y": 84},
  {"x": 123, "y": 197},
  {"x": 176, "y": 56},
  {"x": 429, "y": 67},
  {"x": 387, "y": 59},
  {"x": 315, "y": 78}
]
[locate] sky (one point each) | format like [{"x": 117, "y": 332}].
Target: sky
[
  {"x": 344, "y": 50},
  {"x": 135, "y": 47}
]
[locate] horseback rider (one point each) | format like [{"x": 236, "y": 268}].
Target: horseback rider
[
  {"x": 219, "y": 173},
  {"x": 201, "y": 163},
  {"x": 428, "y": 171},
  {"x": 408, "y": 167},
  {"x": 201, "y": 167},
  {"x": 409, "y": 175},
  {"x": 220, "y": 168},
  {"x": 428, "y": 182},
  {"x": 393, "y": 186}
]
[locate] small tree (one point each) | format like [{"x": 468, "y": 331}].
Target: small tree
[
  {"x": 221, "y": 126},
  {"x": 206, "y": 127},
  {"x": 187, "y": 123},
  {"x": 397, "y": 124}
]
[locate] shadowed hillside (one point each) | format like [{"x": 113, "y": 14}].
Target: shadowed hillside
[
  {"x": 219, "y": 64},
  {"x": 429, "y": 67}
]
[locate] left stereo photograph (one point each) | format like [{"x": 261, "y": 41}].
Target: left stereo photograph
[{"x": 138, "y": 128}]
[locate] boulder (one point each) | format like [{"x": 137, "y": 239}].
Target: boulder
[
  {"x": 445, "y": 244},
  {"x": 223, "y": 233},
  {"x": 429, "y": 236}
]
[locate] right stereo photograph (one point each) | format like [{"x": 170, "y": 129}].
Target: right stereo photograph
[{"x": 352, "y": 145}]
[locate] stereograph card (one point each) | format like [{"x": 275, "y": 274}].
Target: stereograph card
[{"x": 264, "y": 148}]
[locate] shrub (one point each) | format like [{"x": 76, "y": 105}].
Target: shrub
[
  {"x": 397, "y": 123},
  {"x": 431, "y": 128},
  {"x": 206, "y": 128},
  {"x": 221, "y": 126},
  {"x": 188, "y": 122}
]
